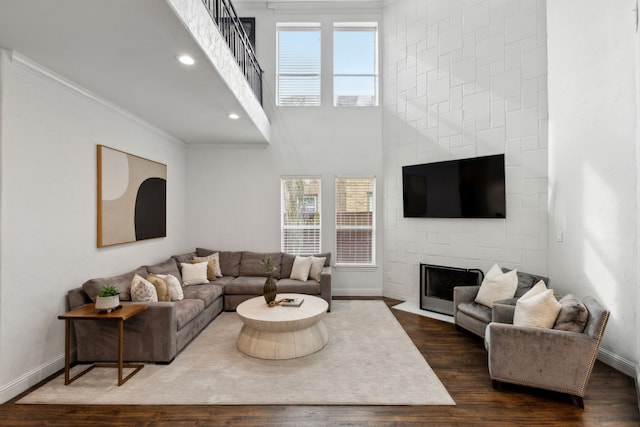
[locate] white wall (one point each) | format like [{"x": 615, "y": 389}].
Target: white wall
[
  {"x": 48, "y": 136},
  {"x": 593, "y": 160},
  {"x": 465, "y": 79},
  {"x": 235, "y": 192}
]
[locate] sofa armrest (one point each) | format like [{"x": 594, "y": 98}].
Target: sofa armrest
[
  {"x": 150, "y": 336},
  {"x": 463, "y": 294},
  {"x": 502, "y": 313},
  {"x": 540, "y": 357},
  {"x": 325, "y": 285}
]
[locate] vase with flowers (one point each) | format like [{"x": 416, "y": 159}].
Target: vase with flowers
[{"x": 269, "y": 290}]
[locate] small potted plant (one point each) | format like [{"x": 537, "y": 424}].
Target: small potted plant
[{"x": 108, "y": 299}]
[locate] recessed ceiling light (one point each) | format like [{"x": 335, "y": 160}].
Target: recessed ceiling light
[
  {"x": 234, "y": 116},
  {"x": 186, "y": 59}
]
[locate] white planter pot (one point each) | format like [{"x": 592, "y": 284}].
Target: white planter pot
[{"x": 107, "y": 304}]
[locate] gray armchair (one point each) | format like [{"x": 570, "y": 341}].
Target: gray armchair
[
  {"x": 475, "y": 317},
  {"x": 546, "y": 358}
]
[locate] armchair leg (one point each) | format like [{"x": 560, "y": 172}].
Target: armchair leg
[
  {"x": 497, "y": 385},
  {"x": 578, "y": 401}
]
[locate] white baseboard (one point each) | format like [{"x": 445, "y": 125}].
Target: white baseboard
[
  {"x": 618, "y": 363},
  {"x": 638, "y": 384},
  {"x": 31, "y": 378},
  {"x": 363, "y": 292}
]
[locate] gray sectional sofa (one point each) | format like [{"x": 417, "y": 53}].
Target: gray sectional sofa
[{"x": 165, "y": 328}]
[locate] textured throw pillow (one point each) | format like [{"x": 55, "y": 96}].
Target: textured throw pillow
[
  {"x": 175, "y": 289},
  {"x": 537, "y": 311},
  {"x": 162, "y": 289},
  {"x": 536, "y": 289},
  {"x": 301, "y": 268},
  {"x": 573, "y": 315},
  {"x": 497, "y": 286},
  {"x": 194, "y": 274},
  {"x": 142, "y": 290},
  {"x": 317, "y": 264},
  {"x": 212, "y": 265}
]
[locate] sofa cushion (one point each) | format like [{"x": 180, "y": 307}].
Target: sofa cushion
[
  {"x": 213, "y": 265},
  {"x": 245, "y": 285},
  {"x": 291, "y": 286},
  {"x": 317, "y": 264},
  {"x": 537, "y": 310},
  {"x": 162, "y": 287},
  {"x": 301, "y": 268},
  {"x": 168, "y": 266},
  {"x": 175, "y": 288},
  {"x": 573, "y": 315},
  {"x": 142, "y": 290},
  {"x": 229, "y": 260},
  {"x": 287, "y": 265},
  {"x": 194, "y": 274},
  {"x": 497, "y": 286},
  {"x": 475, "y": 310},
  {"x": 186, "y": 258},
  {"x": 187, "y": 310},
  {"x": 122, "y": 282},
  {"x": 526, "y": 281},
  {"x": 251, "y": 264},
  {"x": 207, "y": 293}
]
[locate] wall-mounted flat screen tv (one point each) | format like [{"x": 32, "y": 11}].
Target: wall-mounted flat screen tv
[{"x": 464, "y": 188}]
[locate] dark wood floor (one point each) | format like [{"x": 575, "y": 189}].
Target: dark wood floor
[{"x": 459, "y": 360}]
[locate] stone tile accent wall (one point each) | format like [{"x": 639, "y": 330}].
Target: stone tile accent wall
[{"x": 464, "y": 79}]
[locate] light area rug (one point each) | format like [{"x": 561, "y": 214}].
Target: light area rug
[
  {"x": 412, "y": 307},
  {"x": 369, "y": 360}
]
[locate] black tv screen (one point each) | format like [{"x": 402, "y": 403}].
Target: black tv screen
[{"x": 465, "y": 188}]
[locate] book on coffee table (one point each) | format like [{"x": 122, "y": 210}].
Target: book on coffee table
[{"x": 293, "y": 302}]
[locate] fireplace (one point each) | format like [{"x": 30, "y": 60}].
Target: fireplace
[{"x": 437, "y": 283}]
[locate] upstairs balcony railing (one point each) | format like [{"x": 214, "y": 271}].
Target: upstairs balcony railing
[{"x": 224, "y": 15}]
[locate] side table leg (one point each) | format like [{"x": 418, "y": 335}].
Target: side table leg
[
  {"x": 67, "y": 339},
  {"x": 120, "y": 350}
]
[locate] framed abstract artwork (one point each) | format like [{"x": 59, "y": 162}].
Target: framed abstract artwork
[{"x": 132, "y": 198}]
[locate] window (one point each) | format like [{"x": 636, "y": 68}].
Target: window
[
  {"x": 298, "y": 69},
  {"x": 355, "y": 64},
  {"x": 355, "y": 220},
  {"x": 300, "y": 213}
]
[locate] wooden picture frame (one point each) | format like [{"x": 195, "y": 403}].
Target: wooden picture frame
[{"x": 132, "y": 198}]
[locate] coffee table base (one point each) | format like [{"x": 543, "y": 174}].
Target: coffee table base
[{"x": 282, "y": 345}]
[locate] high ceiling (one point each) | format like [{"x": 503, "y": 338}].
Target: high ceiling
[{"x": 125, "y": 52}]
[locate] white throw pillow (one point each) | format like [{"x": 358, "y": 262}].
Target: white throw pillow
[
  {"x": 537, "y": 311},
  {"x": 194, "y": 274},
  {"x": 175, "y": 289},
  {"x": 142, "y": 290},
  {"x": 497, "y": 286},
  {"x": 536, "y": 289},
  {"x": 301, "y": 268},
  {"x": 317, "y": 264}
]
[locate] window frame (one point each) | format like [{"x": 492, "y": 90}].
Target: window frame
[
  {"x": 362, "y": 27},
  {"x": 370, "y": 202},
  {"x": 298, "y": 27},
  {"x": 284, "y": 246}
]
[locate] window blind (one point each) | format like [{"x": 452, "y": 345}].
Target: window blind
[
  {"x": 355, "y": 64},
  {"x": 300, "y": 214},
  {"x": 298, "y": 69},
  {"x": 355, "y": 220}
]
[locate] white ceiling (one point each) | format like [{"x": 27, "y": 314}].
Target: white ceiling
[{"x": 125, "y": 52}]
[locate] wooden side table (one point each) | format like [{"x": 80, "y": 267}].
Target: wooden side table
[{"x": 89, "y": 312}]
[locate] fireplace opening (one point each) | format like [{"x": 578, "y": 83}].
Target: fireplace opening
[{"x": 437, "y": 283}]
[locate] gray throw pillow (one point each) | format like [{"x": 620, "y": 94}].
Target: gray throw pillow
[{"x": 573, "y": 315}]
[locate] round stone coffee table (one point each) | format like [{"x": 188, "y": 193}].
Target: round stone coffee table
[{"x": 282, "y": 332}]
